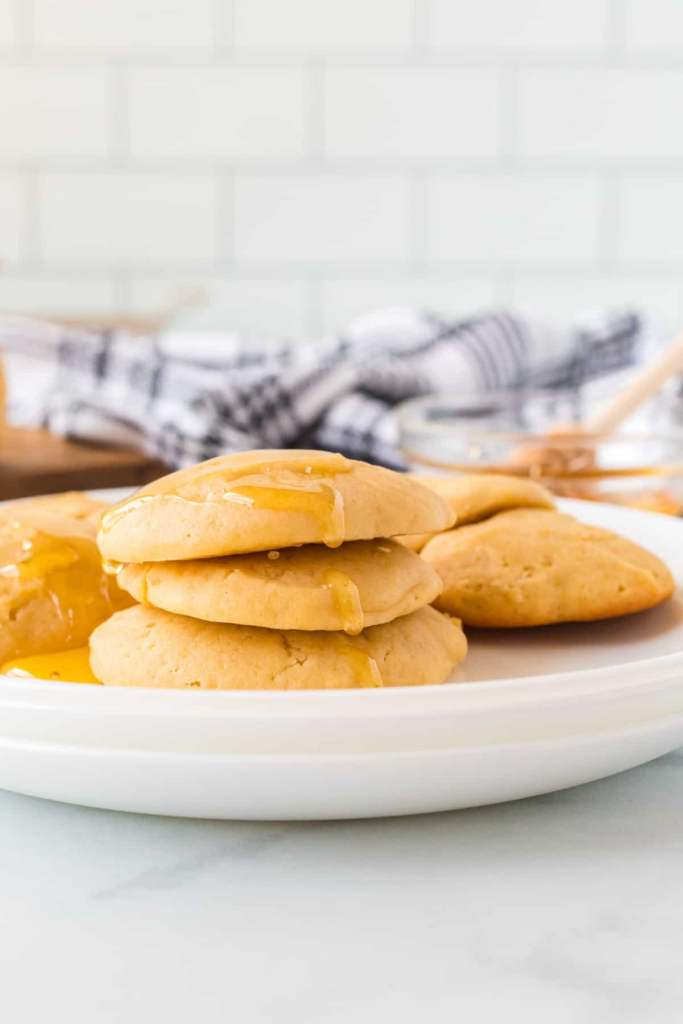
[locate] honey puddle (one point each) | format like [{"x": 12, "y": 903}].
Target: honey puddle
[
  {"x": 67, "y": 666},
  {"x": 295, "y": 485},
  {"x": 346, "y": 600}
]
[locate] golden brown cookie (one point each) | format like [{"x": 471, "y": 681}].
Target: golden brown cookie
[
  {"x": 477, "y": 496},
  {"x": 359, "y": 584},
  {"x": 145, "y": 646},
  {"x": 257, "y": 501},
  {"x": 531, "y": 567},
  {"x": 53, "y": 588},
  {"x": 72, "y": 504}
]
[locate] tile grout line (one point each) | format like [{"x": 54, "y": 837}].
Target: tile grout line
[
  {"x": 314, "y": 113},
  {"x": 118, "y": 116},
  {"x": 421, "y": 28},
  {"x": 418, "y": 221},
  {"x": 211, "y": 57},
  {"x": 504, "y": 288},
  {"x": 223, "y": 17},
  {"x": 615, "y": 50},
  {"x": 314, "y": 306},
  {"x": 509, "y": 80},
  {"x": 32, "y": 240},
  {"x": 224, "y": 241},
  {"x": 524, "y": 167},
  {"x": 123, "y": 290},
  {"x": 669, "y": 268},
  {"x": 25, "y": 20},
  {"x": 608, "y": 225}
]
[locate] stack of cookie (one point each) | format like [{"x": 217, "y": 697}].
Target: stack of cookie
[{"x": 272, "y": 570}]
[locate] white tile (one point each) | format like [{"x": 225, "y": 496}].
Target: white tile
[
  {"x": 651, "y": 219},
  {"x": 518, "y": 26},
  {"x": 8, "y": 22},
  {"x": 417, "y": 113},
  {"x": 52, "y": 295},
  {"x": 344, "y": 299},
  {"x": 123, "y": 218},
  {"x": 223, "y": 112},
  {"x": 12, "y": 219},
  {"x": 653, "y": 26},
  {"x": 323, "y": 25},
  {"x": 601, "y": 113},
  {"x": 565, "y": 299},
  {"x": 252, "y": 307},
  {"x": 306, "y": 218},
  {"x": 503, "y": 218},
  {"x": 52, "y": 111},
  {"x": 123, "y": 24}
]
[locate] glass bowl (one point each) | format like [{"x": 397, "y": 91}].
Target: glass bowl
[{"x": 514, "y": 433}]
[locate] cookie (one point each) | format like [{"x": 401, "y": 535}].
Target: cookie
[
  {"x": 532, "y": 567},
  {"x": 477, "y": 496},
  {"x": 72, "y": 504},
  {"x": 145, "y": 646},
  {"x": 53, "y": 588},
  {"x": 362, "y": 583},
  {"x": 257, "y": 501}
]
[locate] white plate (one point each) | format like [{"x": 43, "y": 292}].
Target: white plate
[{"x": 528, "y": 713}]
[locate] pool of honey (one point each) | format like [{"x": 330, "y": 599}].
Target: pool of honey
[{"x": 72, "y": 666}]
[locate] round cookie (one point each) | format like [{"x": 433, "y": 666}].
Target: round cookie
[
  {"x": 257, "y": 501},
  {"x": 145, "y": 646},
  {"x": 359, "y": 584},
  {"x": 477, "y": 496},
  {"x": 72, "y": 504},
  {"x": 530, "y": 567},
  {"x": 53, "y": 588}
]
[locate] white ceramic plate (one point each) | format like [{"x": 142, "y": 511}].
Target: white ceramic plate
[{"x": 528, "y": 713}]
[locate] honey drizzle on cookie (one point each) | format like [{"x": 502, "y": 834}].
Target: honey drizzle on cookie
[
  {"x": 346, "y": 599},
  {"x": 144, "y": 586},
  {"x": 72, "y": 666},
  {"x": 365, "y": 669},
  {"x": 110, "y": 518},
  {"x": 297, "y": 485},
  {"x": 316, "y": 498},
  {"x": 111, "y": 567},
  {"x": 65, "y": 567}
]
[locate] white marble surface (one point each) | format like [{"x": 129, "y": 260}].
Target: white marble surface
[{"x": 566, "y": 908}]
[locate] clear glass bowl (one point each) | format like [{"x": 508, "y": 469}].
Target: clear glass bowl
[{"x": 508, "y": 433}]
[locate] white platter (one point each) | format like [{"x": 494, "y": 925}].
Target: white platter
[{"x": 529, "y": 712}]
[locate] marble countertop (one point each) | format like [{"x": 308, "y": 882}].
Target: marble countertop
[{"x": 564, "y": 908}]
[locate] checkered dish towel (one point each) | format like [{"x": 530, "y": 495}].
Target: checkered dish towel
[{"x": 185, "y": 398}]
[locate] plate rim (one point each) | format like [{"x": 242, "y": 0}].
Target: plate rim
[{"x": 103, "y": 751}]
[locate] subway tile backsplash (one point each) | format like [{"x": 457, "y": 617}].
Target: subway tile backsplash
[{"x": 310, "y": 160}]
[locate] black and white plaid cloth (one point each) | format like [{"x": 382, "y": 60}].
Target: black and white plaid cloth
[{"x": 187, "y": 398}]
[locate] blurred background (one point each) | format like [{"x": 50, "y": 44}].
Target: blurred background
[{"x": 277, "y": 168}]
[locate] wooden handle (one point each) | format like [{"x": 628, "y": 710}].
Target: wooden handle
[{"x": 642, "y": 388}]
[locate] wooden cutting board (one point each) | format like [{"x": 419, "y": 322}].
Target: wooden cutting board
[{"x": 36, "y": 462}]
